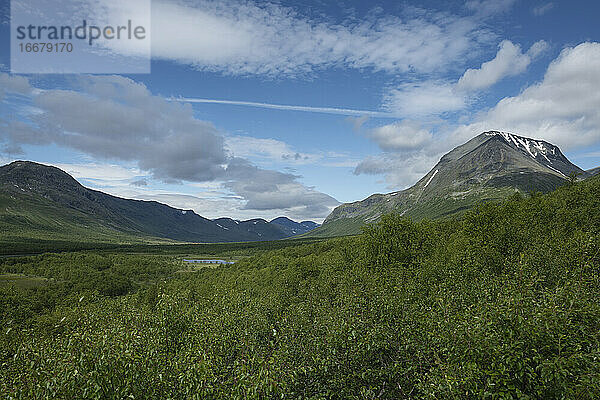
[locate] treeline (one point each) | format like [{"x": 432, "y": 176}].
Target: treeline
[
  {"x": 15, "y": 246},
  {"x": 502, "y": 303}
]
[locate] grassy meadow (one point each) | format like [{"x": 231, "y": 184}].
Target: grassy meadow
[{"x": 501, "y": 303}]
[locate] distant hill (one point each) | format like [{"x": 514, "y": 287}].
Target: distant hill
[
  {"x": 490, "y": 166},
  {"x": 46, "y": 202},
  {"x": 593, "y": 171},
  {"x": 293, "y": 228},
  {"x": 258, "y": 228}
]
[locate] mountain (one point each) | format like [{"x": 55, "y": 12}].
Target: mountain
[
  {"x": 277, "y": 228},
  {"x": 293, "y": 228},
  {"x": 310, "y": 225},
  {"x": 257, "y": 228},
  {"x": 46, "y": 202},
  {"x": 490, "y": 166},
  {"x": 593, "y": 171}
]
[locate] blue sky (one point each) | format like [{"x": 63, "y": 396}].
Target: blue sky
[{"x": 375, "y": 93}]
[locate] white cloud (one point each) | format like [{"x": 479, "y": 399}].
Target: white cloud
[
  {"x": 562, "y": 108},
  {"x": 400, "y": 136},
  {"x": 270, "y": 190},
  {"x": 114, "y": 118},
  {"x": 262, "y": 38},
  {"x": 542, "y": 9},
  {"x": 509, "y": 61},
  {"x": 400, "y": 169},
  {"x": 13, "y": 84},
  {"x": 357, "y": 122},
  {"x": 409, "y": 151},
  {"x": 273, "y": 152},
  {"x": 488, "y": 8},
  {"x": 101, "y": 173},
  {"x": 268, "y": 149},
  {"x": 423, "y": 99},
  {"x": 434, "y": 97},
  {"x": 216, "y": 207}
]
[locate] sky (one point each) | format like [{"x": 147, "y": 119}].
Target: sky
[{"x": 263, "y": 109}]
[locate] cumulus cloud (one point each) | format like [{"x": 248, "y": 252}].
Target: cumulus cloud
[
  {"x": 399, "y": 136},
  {"x": 423, "y": 99},
  {"x": 399, "y": 169},
  {"x": 271, "y": 190},
  {"x": 115, "y": 118},
  {"x": 269, "y": 149},
  {"x": 562, "y": 108},
  {"x": 263, "y": 38},
  {"x": 509, "y": 61},
  {"x": 434, "y": 97},
  {"x": 409, "y": 151}
]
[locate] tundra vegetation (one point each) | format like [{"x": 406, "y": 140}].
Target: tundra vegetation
[{"x": 502, "y": 302}]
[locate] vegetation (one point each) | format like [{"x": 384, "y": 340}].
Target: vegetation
[
  {"x": 501, "y": 303},
  {"x": 491, "y": 166},
  {"x": 43, "y": 207}
]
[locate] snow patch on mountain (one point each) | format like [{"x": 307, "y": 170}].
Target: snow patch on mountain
[
  {"x": 533, "y": 147},
  {"x": 554, "y": 169},
  {"x": 430, "y": 179}
]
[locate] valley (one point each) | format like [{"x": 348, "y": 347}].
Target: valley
[
  {"x": 312, "y": 200},
  {"x": 436, "y": 308}
]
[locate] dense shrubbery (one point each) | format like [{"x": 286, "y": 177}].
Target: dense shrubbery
[{"x": 500, "y": 304}]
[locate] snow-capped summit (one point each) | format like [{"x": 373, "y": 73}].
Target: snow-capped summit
[{"x": 490, "y": 166}]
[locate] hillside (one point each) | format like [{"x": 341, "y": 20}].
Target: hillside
[
  {"x": 39, "y": 201},
  {"x": 593, "y": 171},
  {"x": 257, "y": 228},
  {"x": 499, "y": 304},
  {"x": 491, "y": 166},
  {"x": 293, "y": 228}
]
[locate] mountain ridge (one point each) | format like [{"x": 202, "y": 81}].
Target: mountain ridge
[
  {"x": 593, "y": 171},
  {"x": 61, "y": 196},
  {"x": 490, "y": 166},
  {"x": 292, "y": 227}
]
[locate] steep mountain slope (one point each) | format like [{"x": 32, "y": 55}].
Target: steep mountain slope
[
  {"x": 292, "y": 228},
  {"x": 256, "y": 228},
  {"x": 48, "y": 201},
  {"x": 488, "y": 167},
  {"x": 593, "y": 171}
]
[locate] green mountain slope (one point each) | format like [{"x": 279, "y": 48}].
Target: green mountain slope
[
  {"x": 293, "y": 228},
  {"x": 45, "y": 203},
  {"x": 490, "y": 166},
  {"x": 499, "y": 304},
  {"x": 254, "y": 228}
]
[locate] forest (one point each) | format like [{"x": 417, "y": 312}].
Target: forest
[{"x": 502, "y": 302}]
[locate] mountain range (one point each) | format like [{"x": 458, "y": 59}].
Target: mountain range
[
  {"x": 491, "y": 166},
  {"x": 44, "y": 202},
  {"x": 47, "y": 202}
]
